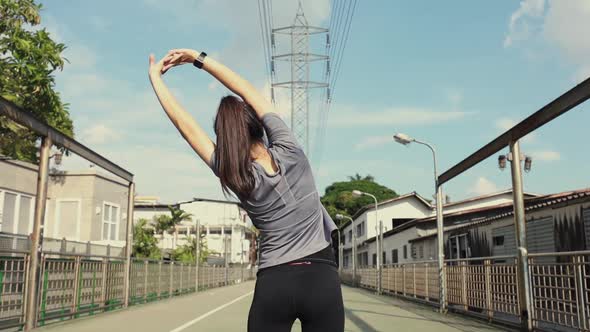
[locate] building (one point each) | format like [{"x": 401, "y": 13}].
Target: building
[
  {"x": 392, "y": 213},
  {"x": 225, "y": 224},
  {"x": 84, "y": 207},
  {"x": 554, "y": 223}
]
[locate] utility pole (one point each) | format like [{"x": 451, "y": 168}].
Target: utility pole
[{"x": 300, "y": 82}]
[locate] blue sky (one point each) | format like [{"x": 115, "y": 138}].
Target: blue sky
[{"x": 453, "y": 75}]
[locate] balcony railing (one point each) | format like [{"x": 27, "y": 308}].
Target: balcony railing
[
  {"x": 488, "y": 287},
  {"x": 74, "y": 285}
]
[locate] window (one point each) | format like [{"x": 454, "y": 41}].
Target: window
[
  {"x": 405, "y": 252},
  {"x": 398, "y": 221},
  {"x": 350, "y": 235},
  {"x": 110, "y": 221},
  {"x": 394, "y": 258},
  {"x": 16, "y": 213},
  {"x": 374, "y": 259},
  {"x": 384, "y": 258},
  {"x": 498, "y": 240},
  {"x": 421, "y": 251},
  {"x": 227, "y": 231},
  {"x": 215, "y": 231},
  {"x": 414, "y": 251},
  {"x": 360, "y": 229},
  {"x": 458, "y": 246}
]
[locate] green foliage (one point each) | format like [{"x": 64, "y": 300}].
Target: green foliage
[
  {"x": 28, "y": 59},
  {"x": 187, "y": 252},
  {"x": 164, "y": 223},
  {"x": 338, "y": 197},
  {"x": 145, "y": 244}
]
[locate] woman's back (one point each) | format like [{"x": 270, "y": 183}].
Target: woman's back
[{"x": 285, "y": 206}]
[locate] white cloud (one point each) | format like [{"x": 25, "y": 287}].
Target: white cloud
[
  {"x": 483, "y": 186},
  {"x": 373, "y": 141},
  {"x": 394, "y": 116},
  {"x": 519, "y": 27},
  {"x": 100, "y": 134},
  {"x": 560, "y": 24},
  {"x": 545, "y": 155}
]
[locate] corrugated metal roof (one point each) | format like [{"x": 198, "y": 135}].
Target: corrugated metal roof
[{"x": 530, "y": 205}]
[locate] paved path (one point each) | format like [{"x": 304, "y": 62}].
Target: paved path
[{"x": 226, "y": 309}]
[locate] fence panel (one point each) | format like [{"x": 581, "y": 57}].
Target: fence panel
[
  {"x": 561, "y": 290},
  {"x": 13, "y": 276}
]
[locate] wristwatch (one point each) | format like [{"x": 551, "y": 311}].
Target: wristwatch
[{"x": 199, "y": 60}]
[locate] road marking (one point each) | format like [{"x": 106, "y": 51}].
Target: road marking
[{"x": 203, "y": 316}]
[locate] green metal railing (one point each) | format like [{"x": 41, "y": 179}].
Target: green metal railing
[{"x": 74, "y": 285}]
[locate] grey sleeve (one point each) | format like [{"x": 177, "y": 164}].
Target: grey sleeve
[{"x": 278, "y": 133}]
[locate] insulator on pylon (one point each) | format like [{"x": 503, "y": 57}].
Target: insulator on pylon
[
  {"x": 272, "y": 40},
  {"x": 328, "y": 67},
  {"x": 328, "y": 95},
  {"x": 272, "y": 67},
  {"x": 328, "y": 40},
  {"x": 272, "y": 95}
]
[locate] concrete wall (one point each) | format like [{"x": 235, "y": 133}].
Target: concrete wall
[{"x": 74, "y": 202}]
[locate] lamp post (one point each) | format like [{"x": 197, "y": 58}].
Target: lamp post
[
  {"x": 515, "y": 158},
  {"x": 342, "y": 217},
  {"x": 339, "y": 252},
  {"x": 405, "y": 140},
  {"x": 379, "y": 238}
]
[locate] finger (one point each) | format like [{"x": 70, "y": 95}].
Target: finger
[{"x": 152, "y": 60}]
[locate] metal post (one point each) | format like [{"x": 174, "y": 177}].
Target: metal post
[
  {"x": 40, "y": 204},
  {"x": 380, "y": 271},
  {"x": 129, "y": 242},
  {"x": 242, "y": 253},
  {"x": 353, "y": 253},
  {"x": 340, "y": 252},
  {"x": 378, "y": 241},
  {"x": 520, "y": 225},
  {"x": 442, "y": 289},
  {"x": 198, "y": 258}
]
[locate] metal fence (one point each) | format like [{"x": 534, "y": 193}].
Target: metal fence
[
  {"x": 488, "y": 287},
  {"x": 74, "y": 285}
]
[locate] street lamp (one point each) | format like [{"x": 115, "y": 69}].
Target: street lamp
[
  {"x": 379, "y": 240},
  {"x": 342, "y": 217},
  {"x": 405, "y": 140},
  {"x": 503, "y": 158}
]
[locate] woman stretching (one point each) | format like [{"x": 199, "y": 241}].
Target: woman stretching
[{"x": 297, "y": 276}]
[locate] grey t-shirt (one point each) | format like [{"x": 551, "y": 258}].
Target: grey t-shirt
[{"x": 285, "y": 206}]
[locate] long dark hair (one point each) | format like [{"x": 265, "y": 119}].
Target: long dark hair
[{"x": 237, "y": 128}]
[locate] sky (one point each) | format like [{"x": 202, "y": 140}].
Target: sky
[{"x": 454, "y": 74}]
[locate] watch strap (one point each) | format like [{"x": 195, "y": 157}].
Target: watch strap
[{"x": 199, "y": 60}]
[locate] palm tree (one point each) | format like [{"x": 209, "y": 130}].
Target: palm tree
[{"x": 164, "y": 223}]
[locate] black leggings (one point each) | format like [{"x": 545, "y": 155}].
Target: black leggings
[{"x": 310, "y": 292}]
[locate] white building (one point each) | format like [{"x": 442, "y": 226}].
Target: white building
[
  {"x": 391, "y": 213},
  {"x": 225, "y": 224},
  {"x": 405, "y": 219}
]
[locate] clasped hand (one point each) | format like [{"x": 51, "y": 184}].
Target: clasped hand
[{"x": 173, "y": 58}]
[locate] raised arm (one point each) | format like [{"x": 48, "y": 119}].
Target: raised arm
[
  {"x": 184, "y": 122},
  {"x": 226, "y": 76}
]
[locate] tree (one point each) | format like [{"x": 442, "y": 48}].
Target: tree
[
  {"x": 187, "y": 253},
  {"x": 28, "y": 59},
  {"x": 164, "y": 223},
  {"x": 338, "y": 197},
  {"x": 145, "y": 244}
]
